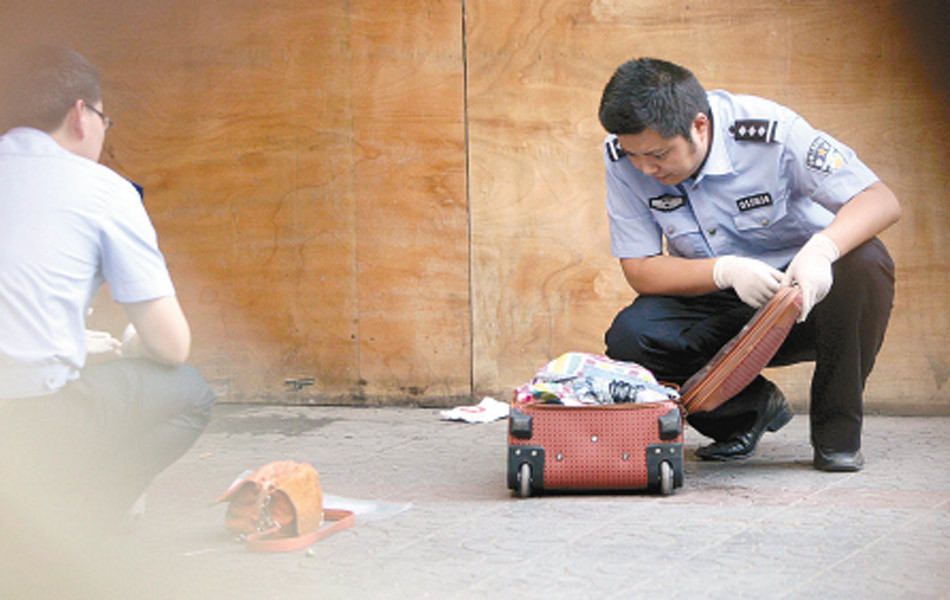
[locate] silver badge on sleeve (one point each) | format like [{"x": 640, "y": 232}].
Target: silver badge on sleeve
[{"x": 823, "y": 157}]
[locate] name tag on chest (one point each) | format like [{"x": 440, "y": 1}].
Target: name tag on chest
[{"x": 754, "y": 201}]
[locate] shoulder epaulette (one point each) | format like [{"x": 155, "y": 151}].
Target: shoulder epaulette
[
  {"x": 754, "y": 130},
  {"x": 614, "y": 151}
]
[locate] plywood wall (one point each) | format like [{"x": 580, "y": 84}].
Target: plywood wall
[
  {"x": 389, "y": 202},
  {"x": 545, "y": 282},
  {"x": 304, "y": 164}
]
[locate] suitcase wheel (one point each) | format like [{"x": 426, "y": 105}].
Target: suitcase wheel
[
  {"x": 524, "y": 480},
  {"x": 666, "y": 478}
]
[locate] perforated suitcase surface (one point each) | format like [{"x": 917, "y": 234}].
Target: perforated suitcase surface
[{"x": 600, "y": 447}]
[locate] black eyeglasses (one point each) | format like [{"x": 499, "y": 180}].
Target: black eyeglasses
[{"x": 105, "y": 119}]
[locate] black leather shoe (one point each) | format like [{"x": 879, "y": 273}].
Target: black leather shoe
[
  {"x": 831, "y": 460},
  {"x": 742, "y": 445}
]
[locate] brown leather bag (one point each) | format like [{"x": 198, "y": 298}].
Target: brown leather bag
[{"x": 280, "y": 507}]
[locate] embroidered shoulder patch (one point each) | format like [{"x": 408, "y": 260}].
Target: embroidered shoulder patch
[
  {"x": 614, "y": 151},
  {"x": 754, "y": 130},
  {"x": 754, "y": 201},
  {"x": 667, "y": 202},
  {"x": 823, "y": 157}
]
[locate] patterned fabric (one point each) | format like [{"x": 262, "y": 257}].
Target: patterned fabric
[{"x": 577, "y": 379}]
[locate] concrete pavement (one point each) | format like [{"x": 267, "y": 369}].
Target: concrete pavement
[{"x": 437, "y": 520}]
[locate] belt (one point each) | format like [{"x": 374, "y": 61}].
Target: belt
[{"x": 263, "y": 542}]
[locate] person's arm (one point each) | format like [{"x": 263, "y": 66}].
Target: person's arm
[
  {"x": 754, "y": 281},
  {"x": 669, "y": 275},
  {"x": 160, "y": 331},
  {"x": 864, "y": 216}
]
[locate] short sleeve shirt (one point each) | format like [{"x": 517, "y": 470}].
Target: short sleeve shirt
[
  {"x": 67, "y": 224},
  {"x": 769, "y": 182}
]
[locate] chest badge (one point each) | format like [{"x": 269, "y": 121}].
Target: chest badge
[
  {"x": 667, "y": 202},
  {"x": 754, "y": 201}
]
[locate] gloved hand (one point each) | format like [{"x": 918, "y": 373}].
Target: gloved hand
[
  {"x": 101, "y": 342},
  {"x": 130, "y": 342},
  {"x": 754, "y": 281},
  {"x": 811, "y": 270}
]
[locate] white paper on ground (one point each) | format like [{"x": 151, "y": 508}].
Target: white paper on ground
[
  {"x": 485, "y": 411},
  {"x": 365, "y": 510}
]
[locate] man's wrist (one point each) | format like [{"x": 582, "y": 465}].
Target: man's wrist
[
  {"x": 720, "y": 268},
  {"x": 825, "y": 246}
]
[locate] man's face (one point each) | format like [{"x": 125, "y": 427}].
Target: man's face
[{"x": 672, "y": 160}]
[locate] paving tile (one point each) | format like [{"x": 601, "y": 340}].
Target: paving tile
[{"x": 767, "y": 527}]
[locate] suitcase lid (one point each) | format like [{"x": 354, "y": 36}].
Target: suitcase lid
[{"x": 743, "y": 357}]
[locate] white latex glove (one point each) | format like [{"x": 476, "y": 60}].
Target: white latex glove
[
  {"x": 811, "y": 270},
  {"x": 754, "y": 281},
  {"x": 130, "y": 342},
  {"x": 101, "y": 342}
]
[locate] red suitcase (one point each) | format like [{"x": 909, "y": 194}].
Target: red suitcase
[
  {"x": 606, "y": 447},
  {"x": 637, "y": 446}
]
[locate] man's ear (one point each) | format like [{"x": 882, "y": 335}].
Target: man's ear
[
  {"x": 702, "y": 127},
  {"x": 75, "y": 122},
  {"x": 701, "y": 123}
]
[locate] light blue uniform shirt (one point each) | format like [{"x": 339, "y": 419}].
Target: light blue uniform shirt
[
  {"x": 769, "y": 182},
  {"x": 66, "y": 225}
]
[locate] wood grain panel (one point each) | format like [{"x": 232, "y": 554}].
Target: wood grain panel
[
  {"x": 304, "y": 166},
  {"x": 544, "y": 282},
  {"x": 249, "y": 123},
  {"x": 411, "y": 209}
]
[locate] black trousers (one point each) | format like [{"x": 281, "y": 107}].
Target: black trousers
[
  {"x": 71, "y": 465},
  {"x": 100, "y": 440},
  {"x": 674, "y": 336}
]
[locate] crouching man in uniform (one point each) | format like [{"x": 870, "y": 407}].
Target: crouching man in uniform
[
  {"x": 80, "y": 440},
  {"x": 747, "y": 197}
]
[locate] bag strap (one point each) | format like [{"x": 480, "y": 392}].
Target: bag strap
[{"x": 262, "y": 541}]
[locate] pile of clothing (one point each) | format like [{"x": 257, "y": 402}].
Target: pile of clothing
[{"x": 580, "y": 379}]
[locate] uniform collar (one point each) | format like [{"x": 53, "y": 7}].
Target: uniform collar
[
  {"x": 717, "y": 161},
  {"x": 34, "y": 139}
]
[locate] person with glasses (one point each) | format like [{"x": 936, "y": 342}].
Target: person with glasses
[
  {"x": 105, "y": 120},
  {"x": 716, "y": 200},
  {"x": 91, "y": 435}
]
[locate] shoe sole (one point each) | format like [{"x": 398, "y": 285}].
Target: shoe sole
[
  {"x": 720, "y": 458},
  {"x": 838, "y": 468},
  {"x": 830, "y": 466}
]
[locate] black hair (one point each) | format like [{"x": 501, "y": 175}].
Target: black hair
[{"x": 651, "y": 93}]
